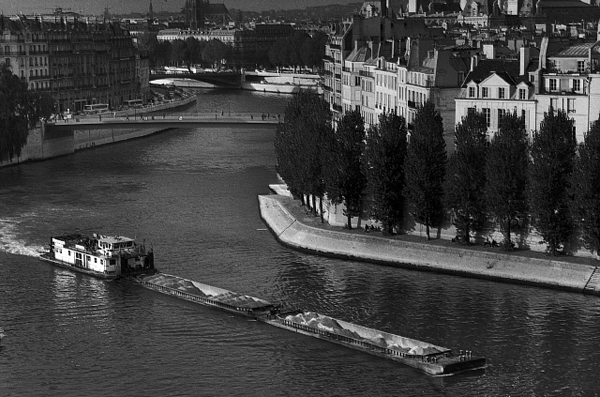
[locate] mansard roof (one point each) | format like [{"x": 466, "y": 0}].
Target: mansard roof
[
  {"x": 507, "y": 69},
  {"x": 579, "y": 50},
  {"x": 359, "y": 54}
]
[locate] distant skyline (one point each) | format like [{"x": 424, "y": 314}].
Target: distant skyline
[{"x": 95, "y": 7}]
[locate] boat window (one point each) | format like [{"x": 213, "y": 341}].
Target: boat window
[
  {"x": 87, "y": 257},
  {"x": 95, "y": 260},
  {"x": 69, "y": 252}
]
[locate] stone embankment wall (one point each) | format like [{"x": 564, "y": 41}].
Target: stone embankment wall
[
  {"x": 452, "y": 260},
  {"x": 43, "y": 144}
]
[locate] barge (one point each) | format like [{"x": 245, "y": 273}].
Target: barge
[
  {"x": 205, "y": 294},
  {"x": 429, "y": 358},
  {"x": 100, "y": 256}
]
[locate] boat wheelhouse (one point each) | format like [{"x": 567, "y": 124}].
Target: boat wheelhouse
[{"x": 99, "y": 255}]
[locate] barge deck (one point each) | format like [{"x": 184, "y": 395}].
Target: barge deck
[{"x": 429, "y": 358}]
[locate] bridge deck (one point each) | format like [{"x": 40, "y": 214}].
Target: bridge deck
[{"x": 175, "y": 120}]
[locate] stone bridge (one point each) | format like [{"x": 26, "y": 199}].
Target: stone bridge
[
  {"x": 167, "y": 121},
  {"x": 227, "y": 79}
]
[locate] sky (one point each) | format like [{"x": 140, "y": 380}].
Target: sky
[{"x": 96, "y": 7}]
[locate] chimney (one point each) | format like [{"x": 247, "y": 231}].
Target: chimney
[
  {"x": 474, "y": 61},
  {"x": 524, "y": 58}
]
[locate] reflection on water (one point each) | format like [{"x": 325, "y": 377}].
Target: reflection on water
[{"x": 191, "y": 194}]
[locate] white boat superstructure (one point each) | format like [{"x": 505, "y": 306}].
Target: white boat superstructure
[{"x": 100, "y": 255}]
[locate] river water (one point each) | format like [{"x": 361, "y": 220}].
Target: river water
[{"x": 191, "y": 193}]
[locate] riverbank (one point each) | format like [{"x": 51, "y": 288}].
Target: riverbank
[
  {"x": 43, "y": 144},
  {"x": 293, "y": 226}
]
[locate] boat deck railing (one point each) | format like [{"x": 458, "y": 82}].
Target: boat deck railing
[
  {"x": 201, "y": 299},
  {"x": 384, "y": 350}
]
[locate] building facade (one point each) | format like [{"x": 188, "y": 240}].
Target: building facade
[{"x": 79, "y": 62}]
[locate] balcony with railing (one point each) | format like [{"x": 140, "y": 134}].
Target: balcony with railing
[{"x": 413, "y": 104}]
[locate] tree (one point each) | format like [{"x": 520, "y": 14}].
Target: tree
[
  {"x": 313, "y": 50},
  {"x": 385, "y": 152},
  {"x": 300, "y": 144},
  {"x": 552, "y": 155},
  {"x": 194, "y": 51},
  {"x": 20, "y": 110},
  {"x": 215, "y": 52},
  {"x": 425, "y": 167},
  {"x": 344, "y": 177},
  {"x": 465, "y": 177},
  {"x": 178, "y": 52},
  {"x": 506, "y": 174},
  {"x": 586, "y": 189}
]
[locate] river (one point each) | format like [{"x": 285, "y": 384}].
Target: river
[{"x": 191, "y": 193}]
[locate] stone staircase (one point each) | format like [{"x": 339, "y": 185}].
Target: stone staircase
[{"x": 592, "y": 287}]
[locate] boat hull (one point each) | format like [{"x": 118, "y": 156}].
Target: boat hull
[
  {"x": 443, "y": 362},
  {"x": 69, "y": 266},
  {"x": 443, "y": 365},
  {"x": 204, "y": 294}
]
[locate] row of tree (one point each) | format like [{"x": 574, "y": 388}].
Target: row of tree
[
  {"x": 297, "y": 50},
  {"x": 20, "y": 109},
  {"x": 183, "y": 52},
  {"x": 549, "y": 182}
]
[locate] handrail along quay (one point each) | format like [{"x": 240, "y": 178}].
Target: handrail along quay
[{"x": 429, "y": 358}]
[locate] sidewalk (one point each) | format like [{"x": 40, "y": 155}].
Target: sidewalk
[{"x": 294, "y": 226}]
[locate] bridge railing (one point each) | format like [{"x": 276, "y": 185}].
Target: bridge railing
[{"x": 174, "y": 117}]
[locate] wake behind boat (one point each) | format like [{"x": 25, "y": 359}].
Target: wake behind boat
[{"x": 99, "y": 255}]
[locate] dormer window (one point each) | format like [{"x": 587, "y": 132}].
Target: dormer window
[
  {"x": 471, "y": 92},
  {"x": 484, "y": 92},
  {"x": 522, "y": 93},
  {"x": 501, "y": 92},
  {"x": 580, "y": 66}
]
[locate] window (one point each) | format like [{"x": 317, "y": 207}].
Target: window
[
  {"x": 471, "y": 110},
  {"x": 484, "y": 92},
  {"x": 552, "y": 84},
  {"x": 487, "y": 114},
  {"x": 501, "y": 114},
  {"x": 501, "y": 91},
  {"x": 554, "y": 104},
  {"x": 522, "y": 93},
  {"x": 571, "y": 105},
  {"x": 576, "y": 85},
  {"x": 471, "y": 92},
  {"x": 580, "y": 66}
]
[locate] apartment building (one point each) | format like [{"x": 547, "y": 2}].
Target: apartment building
[
  {"x": 560, "y": 75},
  {"x": 496, "y": 87},
  {"x": 77, "y": 61},
  {"x": 571, "y": 82},
  {"x": 24, "y": 49}
]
